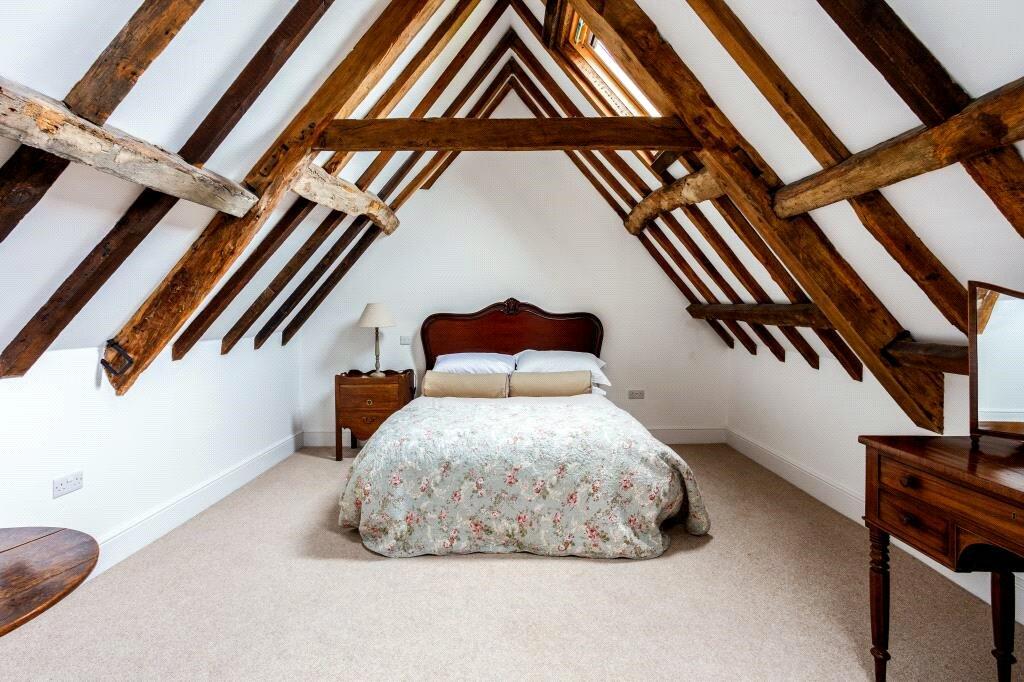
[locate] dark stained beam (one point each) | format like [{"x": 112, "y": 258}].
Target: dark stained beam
[
  {"x": 775, "y": 314},
  {"x": 508, "y": 134},
  {"x": 555, "y": 16},
  {"x": 995, "y": 120},
  {"x": 939, "y": 357},
  {"x": 183, "y": 289},
  {"x": 150, "y": 207},
  {"x": 27, "y": 175},
  {"x": 800, "y": 244},
  {"x": 874, "y": 210},
  {"x": 286, "y": 226},
  {"x": 930, "y": 91}
]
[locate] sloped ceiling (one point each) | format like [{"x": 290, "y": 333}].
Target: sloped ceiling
[{"x": 50, "y": 50}]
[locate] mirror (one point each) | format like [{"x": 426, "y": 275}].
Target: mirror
[{"x": 997, "y": 361}]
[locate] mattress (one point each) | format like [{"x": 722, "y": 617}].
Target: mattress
[{"x": 555, "y": 476}]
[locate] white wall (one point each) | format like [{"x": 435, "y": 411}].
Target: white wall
[
  {"x": 185, "y": 436},
  {"x": 530, "y": 227}
]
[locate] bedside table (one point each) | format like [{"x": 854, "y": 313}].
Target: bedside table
[{"x": 363, "y": 402}]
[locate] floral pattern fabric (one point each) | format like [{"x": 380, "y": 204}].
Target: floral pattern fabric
[{"x": 557, "y": 476}]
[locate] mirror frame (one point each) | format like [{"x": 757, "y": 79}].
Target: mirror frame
[{"x": 972, "y": 353}]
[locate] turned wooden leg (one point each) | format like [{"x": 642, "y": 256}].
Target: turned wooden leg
[
  {"x": 879, "y": 600},
  {"x": 1002, "y": 622}
]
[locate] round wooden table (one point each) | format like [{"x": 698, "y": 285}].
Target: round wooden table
[{"x": 38, "y": 568}]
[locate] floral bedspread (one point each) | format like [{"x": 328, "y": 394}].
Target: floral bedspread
[{"x": 559, "y": 476}]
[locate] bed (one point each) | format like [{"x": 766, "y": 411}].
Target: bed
[{"x": 555, "y": 476}]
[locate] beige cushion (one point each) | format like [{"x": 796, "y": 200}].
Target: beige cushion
[
  {"x": 446, "y": 385},
  {"x": 548, "y": 384}
]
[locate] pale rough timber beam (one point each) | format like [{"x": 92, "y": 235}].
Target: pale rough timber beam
[
  {"x": 150, "y": 207},
  {"x": 36, "y": 120},
  {"x": 874, "y": 210},
  {"x": 992, "y": 121},
  {"x": 800, "y": 243},
  {"x": 320, "y": 187},
  {"x": 30, "y": 172},
  {"x": 688, "y": 190},
  {"x": 154, "y": 324},
  {"x": 300, "y": 210},
  {"x": 930, "y": 91}
]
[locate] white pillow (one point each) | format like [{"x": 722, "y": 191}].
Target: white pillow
[
  {"x": 475, "y": 363},
  {"x": 562, "y": 361}
]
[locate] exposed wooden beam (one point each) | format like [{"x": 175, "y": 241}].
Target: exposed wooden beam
[
  {"x": 691, "y": 189},
  {"x": 30, "y": 172},
  {"x": 34, "y": 119},
  {"x": 150, "y": 207},
  {"x": 319, "y": 236},
  {"x": 508, "y": 134},
  {"x": 775, "y": 314},
  {"x": 800, "y": 243},
  {"x": 298, "y": 211},
  {"x": 873, "y": 209},
  {"x": 320, "y": 187},
  {"x": 538, "y": 104},
  {"x": 663, "y": 161},
  {"x": 555, "y": 16},
  {"x": 995, "y": 120},
  {"x": 930, "y": 91},
  {"x": 486, "y": 103},
  {"x": 939, "y": 357},
  {"x": 152, "y": 327}
]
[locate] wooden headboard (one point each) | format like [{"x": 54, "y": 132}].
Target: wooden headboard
[{"x": 509, "y": 327}]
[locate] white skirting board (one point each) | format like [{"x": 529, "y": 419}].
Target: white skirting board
[
  {"x": 136, "y": 534},
  {"x": 851, "y": 505}
]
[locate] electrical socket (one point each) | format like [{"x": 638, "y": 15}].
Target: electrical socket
[
  {"x": 67, "y": 484},
  {"x": 405, "y": 340},
  {"x": 636, "y": 395}
]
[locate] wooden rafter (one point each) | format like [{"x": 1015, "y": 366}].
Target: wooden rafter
[
  {"x": 930, "y": 91},
  {"x": 286, "y": 226},
  {"x": 30, "y": 172},
  {"x": 691, "y": 189},
  {"x": 777, "y": 314},
  {"x": 150, "y": 207},
  {"x": 34, "y": 119},
  {"x": 509, "y": 134},
  {"x": 639, "y": 186},
  {"x": 730, "y": 213},
  {"x": 939, "y": 357},
  {"x": 992, "y": 121},
  {"x": 874, "y": 210},
  {"x": 834, "y": 286},
  {"x": 486, "y": 104},
  {"x": 317, "y": 185},
  {"x": 556, "y": 14},
  {"x": 153, "y": 326}
]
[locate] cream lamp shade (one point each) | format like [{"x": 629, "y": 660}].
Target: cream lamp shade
[{"x": 376, "y": 315}]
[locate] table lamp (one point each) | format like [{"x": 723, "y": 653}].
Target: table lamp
[{"x": 376, "y": 315}]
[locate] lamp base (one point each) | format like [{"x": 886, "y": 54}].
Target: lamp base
[{"x": 376, "y": 373}]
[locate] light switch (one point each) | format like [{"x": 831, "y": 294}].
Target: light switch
[{"x": 405, "y": 340}]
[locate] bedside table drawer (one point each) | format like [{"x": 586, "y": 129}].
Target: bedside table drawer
[
  {"x": 380, "y": 396},
  {"x": 364, "y": 423},
  {"x": 920, "y": 527}
]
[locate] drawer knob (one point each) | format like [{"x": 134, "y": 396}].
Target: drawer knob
[
  {"x": 369, "y": 401},
  {"x": 908, "y": 520},
  {"x": 908, "y": 481}
]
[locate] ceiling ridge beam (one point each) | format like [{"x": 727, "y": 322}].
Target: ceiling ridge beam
[
  {"x": 30, "y": 172},
  {"x": 879, "y": 217},
  {"x": 211, "y": 255},
  {"x": 150, "y": 206},
  {"x": 33, "y": 119},
  {"x": 930, "y": 91},
  {"x": 286, "y": 226},
  {"x": 855, "y": 311}
]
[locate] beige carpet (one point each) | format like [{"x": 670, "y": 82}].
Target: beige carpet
[{"x": 264, "y": 585}]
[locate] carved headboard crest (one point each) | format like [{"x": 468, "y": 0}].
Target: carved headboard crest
[{"x": 509, "y": 327}]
